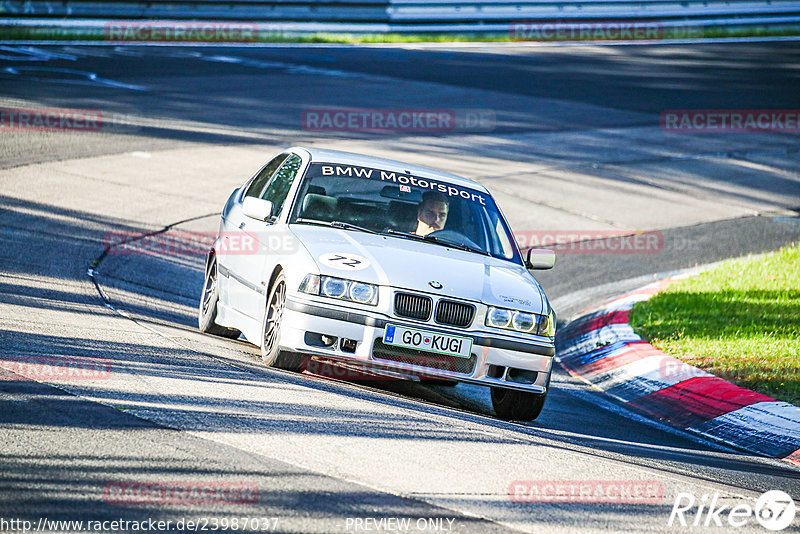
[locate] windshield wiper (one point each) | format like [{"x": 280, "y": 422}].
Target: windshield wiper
[
  {"x": 335, "y": 224},
  {"x": 391, "y": 231},
  {"x": 430, "y": 238},
  {"x": 460, "y": 246}
]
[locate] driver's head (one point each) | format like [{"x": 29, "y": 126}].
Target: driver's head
[{"x": 432, "y": 213}]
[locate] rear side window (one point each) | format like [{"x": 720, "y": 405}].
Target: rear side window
[
  {"x": 259, "y": 184},
  {"x": 281, "y": 182}
]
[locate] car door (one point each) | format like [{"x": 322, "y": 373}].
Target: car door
[
  {"x": 252, "y": 271},
  {"x": 233, "y": 222}
]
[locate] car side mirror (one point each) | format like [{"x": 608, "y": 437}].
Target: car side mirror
[
  {"x": 257, "y": 208},
  {"x": 540, "y": 258}
]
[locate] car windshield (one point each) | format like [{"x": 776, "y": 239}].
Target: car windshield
[{"x": 403, "y": 205}]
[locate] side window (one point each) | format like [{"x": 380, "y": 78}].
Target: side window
[
  {"x": 281, "y": 182},
  {"x": 260, "y": 182}
]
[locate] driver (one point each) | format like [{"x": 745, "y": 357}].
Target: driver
[{"x": 432, "y": 213}]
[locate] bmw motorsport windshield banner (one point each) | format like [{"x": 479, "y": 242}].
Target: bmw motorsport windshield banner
[{"x": 404, "y": 181}]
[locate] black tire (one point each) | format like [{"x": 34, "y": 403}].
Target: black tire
[
  {"x": 270, "y": 339},
  {"x": 512, "y": 405},
  {"x": 207, "y": 312}
]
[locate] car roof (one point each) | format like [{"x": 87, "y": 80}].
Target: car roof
[{"x": 322, "y": 155}]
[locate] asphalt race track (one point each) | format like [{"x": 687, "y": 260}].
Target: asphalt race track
[{"x": 566, "y": 138}]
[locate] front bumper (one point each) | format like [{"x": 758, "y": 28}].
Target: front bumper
[{"x": 498, "y": 360}]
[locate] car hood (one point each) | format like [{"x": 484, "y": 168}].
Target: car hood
[{"x": 409, "y": 264}]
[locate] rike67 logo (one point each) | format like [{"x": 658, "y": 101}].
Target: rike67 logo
[{"x": 774, "y": 510}]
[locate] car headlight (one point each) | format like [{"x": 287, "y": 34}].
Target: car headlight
[
  {"x": 523, "y": 322},
  {"x": 547, "y": 325},
  {"x": 520, "y": 321},
  {"x": 334, "y": 287},
  {"x": 361, "y": 292},
  {"x": 498, "y": 318},
  {"x": 339, "y": 288}
]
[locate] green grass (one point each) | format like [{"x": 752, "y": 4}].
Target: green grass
[
  {"x": 739, "y": 321},
  {"x": 393, "y": 38},
  {"x": 55, "y": 33}
]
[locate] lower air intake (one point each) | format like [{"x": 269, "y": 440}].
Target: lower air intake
[{"x": 442, "y": 362}]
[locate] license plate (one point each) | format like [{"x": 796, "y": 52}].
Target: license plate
[{"x": 411, "y": 338}]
